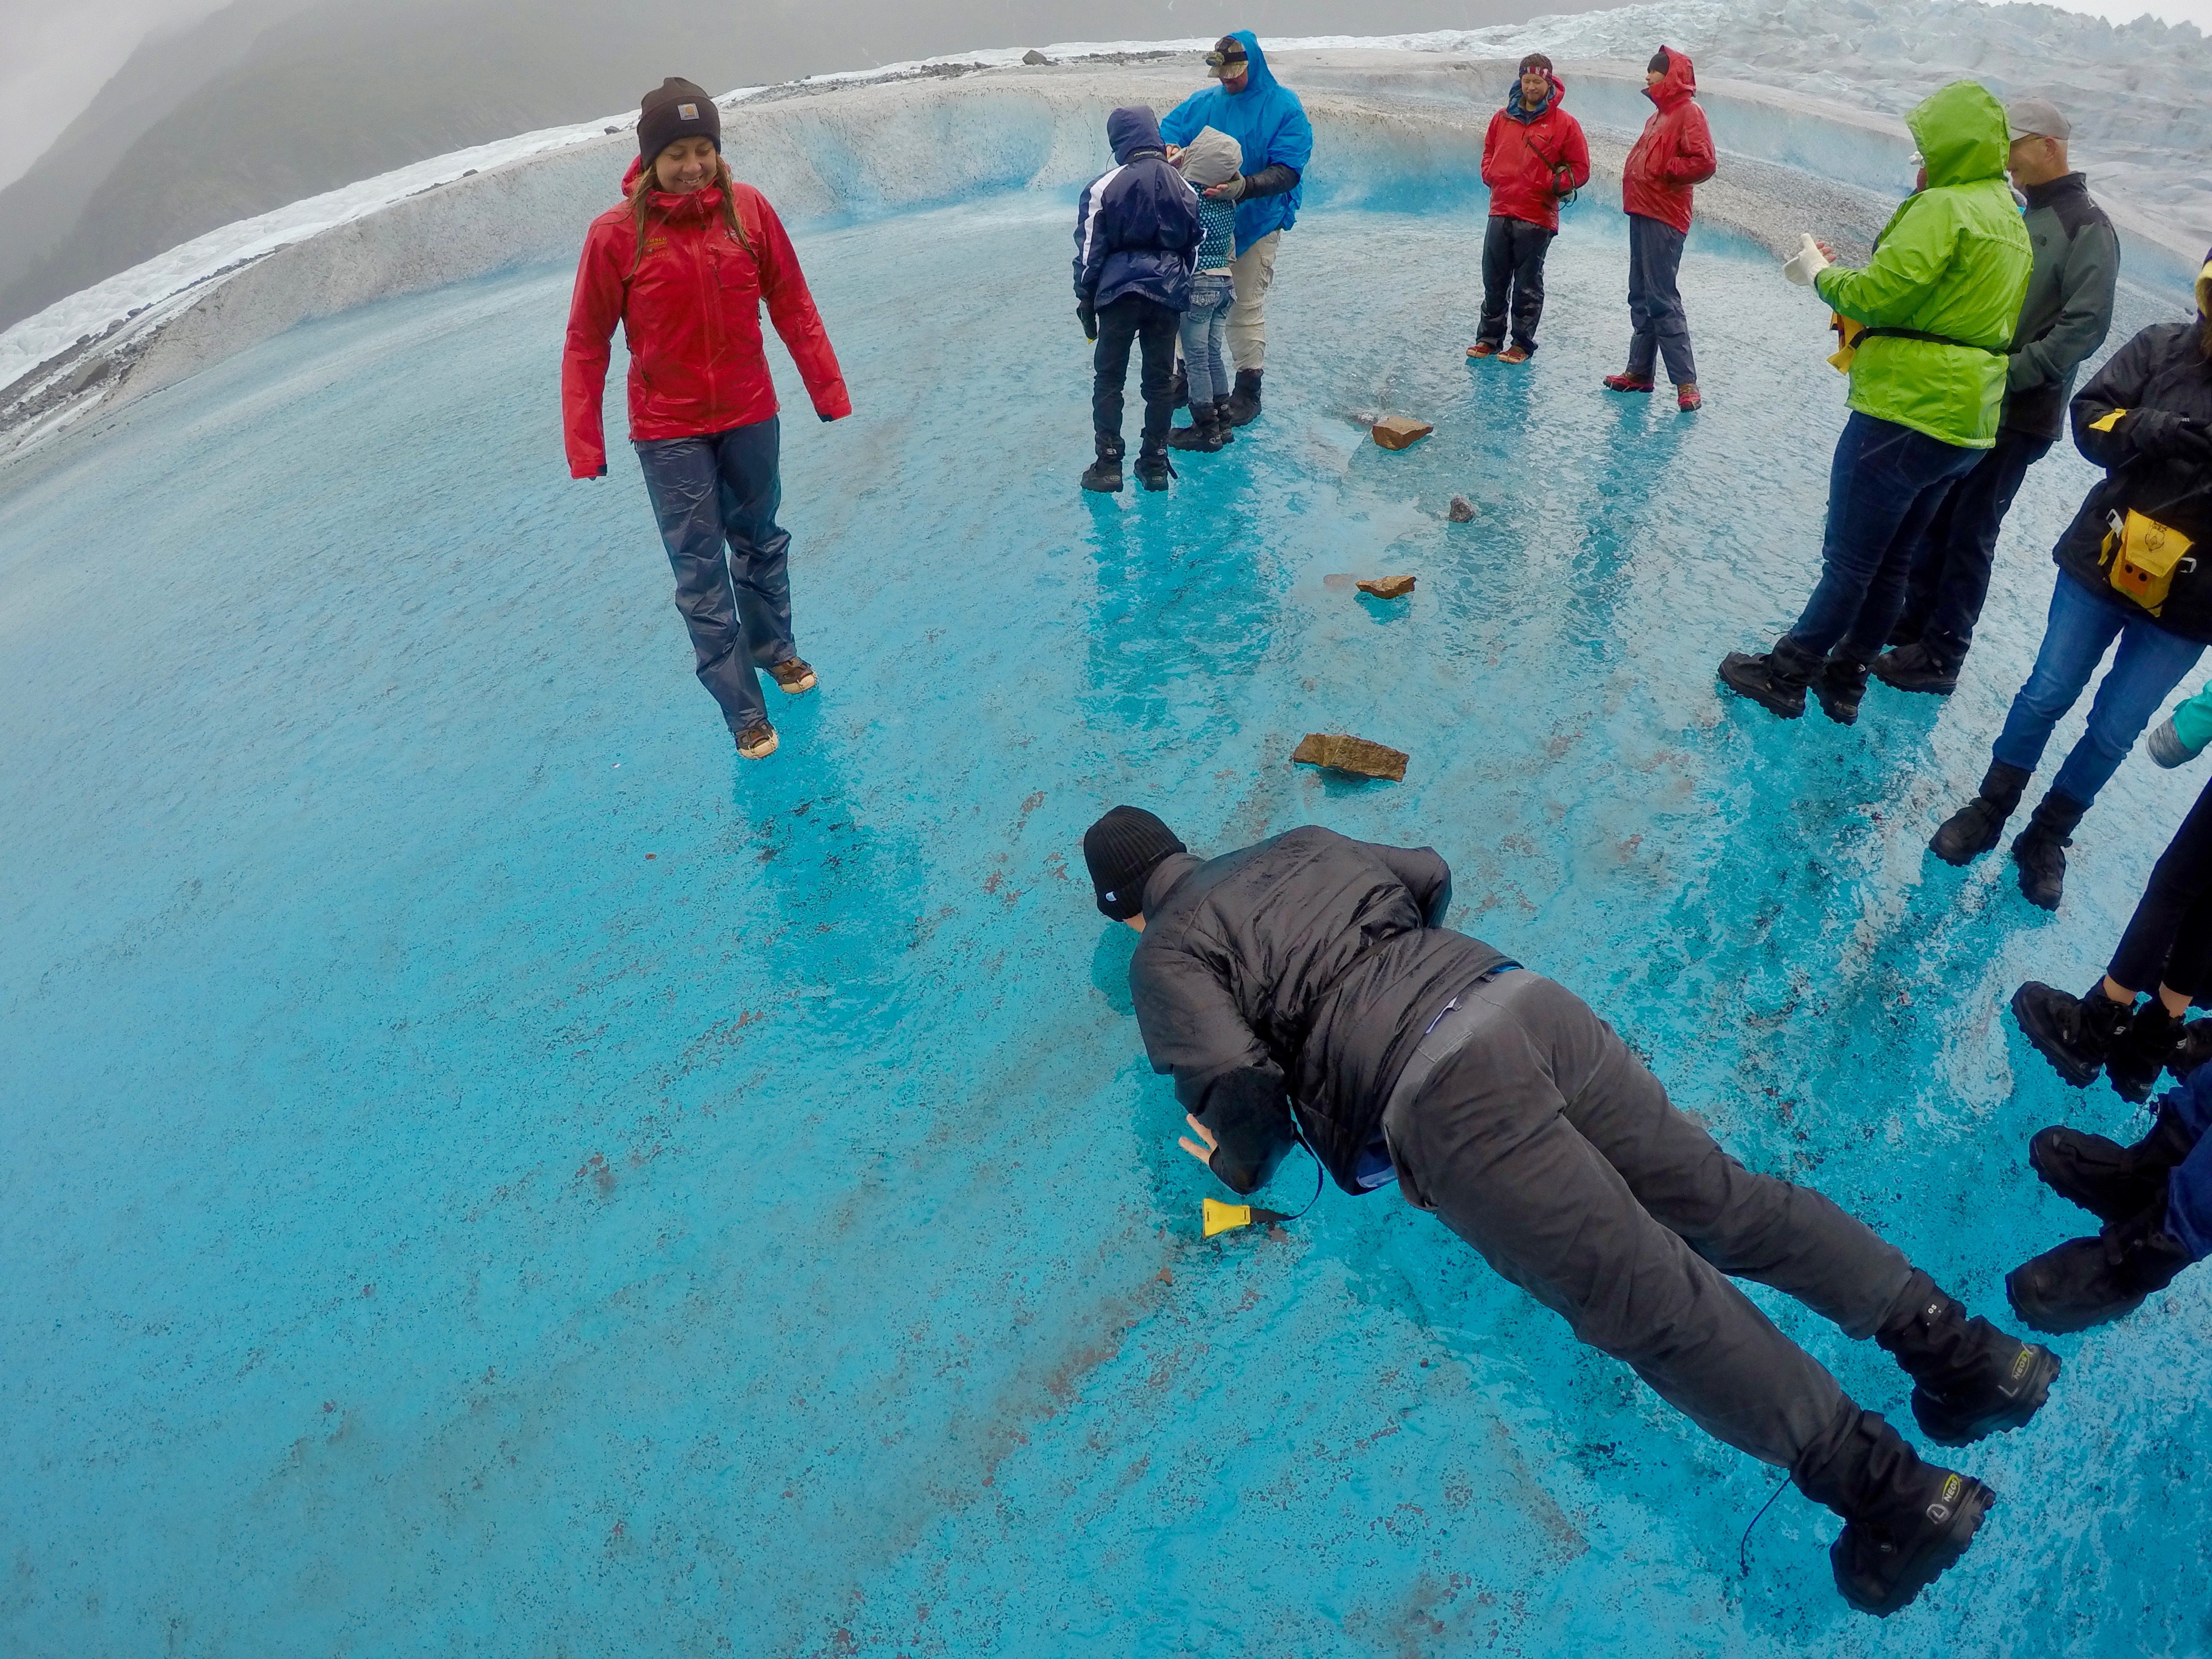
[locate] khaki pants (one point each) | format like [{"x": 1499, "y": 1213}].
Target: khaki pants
[{"x": 1252, "y": 272}]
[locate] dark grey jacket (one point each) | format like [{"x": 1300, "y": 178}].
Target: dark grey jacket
[
  {"x": 2068, "y": 308},
  {"x": 1295, "y": 975}
]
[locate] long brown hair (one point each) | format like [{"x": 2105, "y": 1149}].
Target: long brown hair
[{"x": 640, "y": 206}]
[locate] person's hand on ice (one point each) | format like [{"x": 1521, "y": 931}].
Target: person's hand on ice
[
  {"x": 1811, "y": 259},
  {"x": 1087, "y": 315},
  {"x": 1203, "y": 1154},
  {"x": 2166, "y": 746}
]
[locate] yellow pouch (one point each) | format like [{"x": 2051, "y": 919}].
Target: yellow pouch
[
  {"x": 2144, "y": 556},
  {"x": 1847, "y": 342}
]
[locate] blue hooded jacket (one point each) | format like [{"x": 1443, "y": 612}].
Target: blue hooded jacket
[
  {"x": 1136, "y": 226},
  {"x": 1267, "y": 119}
]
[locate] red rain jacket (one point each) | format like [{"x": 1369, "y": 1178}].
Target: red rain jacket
[
  {"x": 691, "y": 315},
  {"x": 1675, "y": 152},
  {"x": 1520, "y": 159}
]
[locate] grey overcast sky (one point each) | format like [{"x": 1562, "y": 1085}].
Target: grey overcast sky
[{"x": 56, "y": 54}]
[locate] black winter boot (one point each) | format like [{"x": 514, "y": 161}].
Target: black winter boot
[
  {"x": 1204, "y": 432},
  {"x": 1776, "y": 680},
  {"x": 2040, "y": 849},
  {"x": 1223, "y": 430},
  {"x": 1104, "y": 474},
  {"x": 2074, "y": 1034},
  {"x": 2191, "y": 1050},
  {"x": 1911, "y": 668},
  {"x": 1971, "y": 1378},
  {"x": 2141, "y": 1049},
  {"x": 1841, "y": 685},
  {"x": 2093, "y": 1281},
  {"x": 1978, "y": 826},
  {"x": 2110, "y": 1181},
  {"x": 1904, "y": 1521},
  {"x": 1245, "y": 400},
  {"x": 1152, "y": 469}
]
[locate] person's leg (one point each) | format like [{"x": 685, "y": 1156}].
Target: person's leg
[
  {"x": 1198, "y": 362},
  {"x": 1155, "y": 335},
  {"x": 1496, "y": 279},
  {"x": 2076, "y": 633},
  {"x": 1117, "y": 327},
  {"x": 1642, "y": 343},
  {"x": 1216, "y": 342},
  {"x": 760, "y": 570},
  {"x": 2156, "y": 949},
  {"x": 1925, "y": 577},
  {"x": 682, "y": 480},
  {"x": 1663, "y": 302},
  {"x": 1885, "y": 590},
  {"x": 2149, "y": 665},
  {"x": 1968, "y": 546},
  {"x": 1876, "y": 481},
  {"x": 1252, "y": 272},
  {"x": 1530, "y": 244}
]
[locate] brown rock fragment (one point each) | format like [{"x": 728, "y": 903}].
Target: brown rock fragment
[
  {"x": 1400, "y": 431},
  {"x": 1461, "y": 510},
  {"x": 1341, "y": 753},
  {"x": 1388, "y": 587}
]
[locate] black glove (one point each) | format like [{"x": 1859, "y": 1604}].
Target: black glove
[
  {"x": 2157, "y": 434},
  {"x": 1087, "y": 315}
]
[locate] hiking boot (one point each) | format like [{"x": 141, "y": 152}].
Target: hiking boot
[
  {"x": 1515, "y": 353},
  {"x": 1971, "y": 1378},
  {"x": 1198, "y": 434},
  {"x": 757, "y": 741},
  {"x": 1224, "y": 433},
  {"x": 2110, "y": 1181},
  {"x": 1628, "y": 383},
  {"x": 2074, "y": 1034},
  {"x": 2040, "y": 849},
  {"x": 1104, "y": 474},
  {"x": 1688, "y": 397},
  {"x": 2191, "y": 1050},
  {"x": 1841, "y": 685},
  {"x": 1911, "y": 668},
  {"x": 1907, "y": 628},
  {"x": 2093, "y": 1281},
  {"x": 1244, "y": 398},
  {"x": 1152, "y": 469},
  {"x": 2141, "y": 1049},
  {"x": 1483, "y": 348},
  {"x": 1976, "y": 826},
  {"x": 1776, "y": 680},
  {"x": 1905, "y": 1520},
  {"x": 792, "y": 675}
]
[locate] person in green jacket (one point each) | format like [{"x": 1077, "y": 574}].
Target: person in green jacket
[{"x": 1928, "y": 326}]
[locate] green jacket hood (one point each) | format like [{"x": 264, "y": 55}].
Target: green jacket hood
[{"x": 1961, "y": 132}]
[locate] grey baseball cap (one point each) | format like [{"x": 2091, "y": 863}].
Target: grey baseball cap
[{"x": 2037, "y": 117}]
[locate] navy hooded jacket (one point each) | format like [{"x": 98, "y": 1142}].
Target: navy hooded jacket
[
  {"x": 1268, "y": 121},
  {"x": 1136, "y": 227}
]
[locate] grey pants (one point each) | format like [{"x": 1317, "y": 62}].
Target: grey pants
[
  {"x": 1545, "y": 1144},
  {"x": 1656, "y": 321}
]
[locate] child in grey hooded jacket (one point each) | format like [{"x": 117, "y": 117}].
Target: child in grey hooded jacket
[{"x": 1211, "y": 157}]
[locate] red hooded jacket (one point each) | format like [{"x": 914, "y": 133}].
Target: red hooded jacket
[
  {"x": 1529, "y": 164},
  {"x": 691, "y": 315},
  {"x": 1675, "y": 152}
]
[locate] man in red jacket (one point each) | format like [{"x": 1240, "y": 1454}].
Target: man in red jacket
[
  {"x": 1674, "y": 153},
  {"x": 1533, "y": 157}
]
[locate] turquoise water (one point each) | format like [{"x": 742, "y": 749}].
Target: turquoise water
[{"x": 489, "y": 1173}]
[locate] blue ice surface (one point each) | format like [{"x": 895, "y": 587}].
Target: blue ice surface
[{"x": 489, "y": 1172}]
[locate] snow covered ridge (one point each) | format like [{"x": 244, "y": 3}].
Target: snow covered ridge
[{"x": 1825, "y": 83}]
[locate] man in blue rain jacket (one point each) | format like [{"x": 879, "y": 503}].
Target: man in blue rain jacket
[{"x": 1267, "y": 120}]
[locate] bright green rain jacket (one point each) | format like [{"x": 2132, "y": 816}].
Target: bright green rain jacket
[{"x": 1954, "y": 260}]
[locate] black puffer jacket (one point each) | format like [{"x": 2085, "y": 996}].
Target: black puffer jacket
[
  {"x": 1302, "y": 967},
  {"x": 1136, "y": 224},
  {"x": 2163, "y": 381}
]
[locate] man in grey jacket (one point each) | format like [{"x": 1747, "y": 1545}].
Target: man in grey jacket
[
  {"x": 2065, "y": 317},
  {"x": 1306, "y": 991}
]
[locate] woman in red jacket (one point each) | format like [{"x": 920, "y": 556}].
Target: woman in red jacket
[
  {"x": 683, "y": 266},
  {"x": 1675, "y": 153}
]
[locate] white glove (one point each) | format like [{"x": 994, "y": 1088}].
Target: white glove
[{"x": 1809, "y": 262}]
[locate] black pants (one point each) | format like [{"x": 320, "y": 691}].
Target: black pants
[
  {"x": 1153, "y": 326},
  {"x": 1512, "y": 258},
  {"x": 1950, "y": 575},
  {"x": 2169, "y": 937}
]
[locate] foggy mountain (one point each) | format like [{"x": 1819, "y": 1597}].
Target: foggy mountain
[{"x": 267, "y": 101}]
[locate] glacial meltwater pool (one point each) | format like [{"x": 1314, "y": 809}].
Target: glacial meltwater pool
[{"x": 488, "y": 1173}]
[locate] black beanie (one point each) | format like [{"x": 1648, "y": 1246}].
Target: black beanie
[
  {"x": 1121, "y": 850},
  {"x": 1660, "y": 63},
  {"x": 676, "y": 109}
]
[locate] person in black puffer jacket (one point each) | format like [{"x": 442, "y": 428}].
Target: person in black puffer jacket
[
  {"x": 1306, "y": 989},
  {"x": 1137, "y": 235},
  {"x": 2136, "y": 565}
]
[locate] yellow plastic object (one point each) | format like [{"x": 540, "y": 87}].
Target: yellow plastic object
[
  {"x": 2108, "y": 423},
  {"x": 1225, "y": 1217},
  {"x": 2145, "y": 556},
  {"x": 1847, "y": 341}
]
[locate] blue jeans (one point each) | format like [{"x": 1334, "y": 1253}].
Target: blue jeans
[
  {"x": 2189, "y": 1188},
  {"x": 1950, "y": 576},
  {"x": 1884, "y": 486},
  {"x": 708, "y": 491},
  {"x": 1206, "y": 336},
  {"x": 2150, "y": 664},
  {"x": 1656, "y": 321}
]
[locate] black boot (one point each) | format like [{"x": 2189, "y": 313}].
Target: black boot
[
  {"x": 2074, "y": 1034},
  {"x": 1223, "y": 430},
  {"x": 1202, "y": 433},
  {"x": 1904, "y": 1521},
  {"x": 1971, "y": 1378},
  {"x": 1152, "y": 469},
  {"x": 2192, "y": 1049},
  {"x": 2110, "y": 1181},
  {"x": 2093, "y": 1281},
  {"x": 1976, "y": 826},
  {"x": 2141, "y": 1049},
  {"x": 1776, "y": 680},
  {"x": 1104, "y": 474},
  {"x": 1911, "y": 668},
  {"x": 2040, "y": 849},
  {"x": 1841, "y": 685},
  {"x": 1245, "y": 400}
]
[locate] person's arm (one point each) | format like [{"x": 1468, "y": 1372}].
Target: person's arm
[
  {"x": 1574, "y": 154},
  {"x": 593, "y": 310},
  {"x": 1091, "y": 251},
  {"x": 1490, "y": 135},
  {"x": 791, "y": 308},
  {"x": 2182, "y": 736},
  {"x": 1224, "y": 1075},
  {"x": 2085, "y": 315},
  {"x": 1909, "y": 261},
  {"x": 1692, "y": 161},
  {"x": 1186, "y": 120},
  {"x": 2112, "y": 427},
  {"x": 1426, "y": 876}
]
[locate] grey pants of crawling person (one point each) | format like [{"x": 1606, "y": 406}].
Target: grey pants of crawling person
[{"x": 1547, "y": 1145}]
